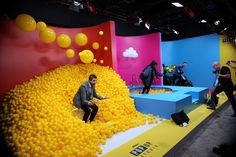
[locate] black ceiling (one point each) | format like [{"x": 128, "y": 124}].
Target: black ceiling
[{"x": 160, "y": 14}]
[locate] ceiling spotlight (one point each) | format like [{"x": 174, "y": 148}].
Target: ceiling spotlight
[
  {"x": 217, "y": 22},
  {"x": 140, "y": 20},
  {"x": 76, "y": 3},
  {"x": 76, "y": 6},
  {"x": 81, "y": 6},
  {"x": 177, "y": 4},
  {"x": 91, "y": 6},
  {"x": 203, "y": 21},
  {"x": 225, "y": 28},
  {"x": 147, "y": 25},
  {"x": 176, "y": 32},
  {"x": 138, "y": 23}
]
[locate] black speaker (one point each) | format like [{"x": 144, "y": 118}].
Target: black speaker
[{"x": 180, "y": 117}]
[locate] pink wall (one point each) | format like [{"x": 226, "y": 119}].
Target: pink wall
[
  {"x": 148, "y": 49},
  {"x": 23, "y": 55}
]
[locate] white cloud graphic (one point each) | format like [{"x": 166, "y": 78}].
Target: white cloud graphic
[{"x": 130, "y": 53}]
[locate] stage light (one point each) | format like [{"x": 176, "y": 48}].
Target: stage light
[
  {"x": 140, "y": 20},
  {"x": 225, "y": 28},
  {"x": 203, "y": 21},
  {"x": 91, "y": 6},
  {"x": 138, "y": 23},
  {"x": 147, "y": 25},
  {"x": 76, "y": 6},
  {"x": 81, "y": 6},
  {"x": 76, "y": 3},
  {"x": 189, "y": 11},
  {"x": 177, "y": 4},
  {"x": 176, "y": 32},
  {"x": 217, "y": 22}
]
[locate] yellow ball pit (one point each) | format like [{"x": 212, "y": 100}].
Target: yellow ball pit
[{"x": 38, "y": 116}]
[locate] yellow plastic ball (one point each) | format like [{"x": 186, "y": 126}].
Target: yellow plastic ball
[
  {"x": 81, "y": 39},
  {"x": 56, "y": 130},
  {"x": 101, "y": 61},
  {"x": 70, "y": 53},
  {"x": 101, "y": 33},
  {"x": 86, "y": 56},
  {"x": 47, "y": 36},
  {"x": 25, "y": 22},
  {"x": 105, "y": 48},
  {"x": 95, "y": 45},
  {"x": 63, "y": 40},
  {"x": 41, "y": 25},
  {"x": 94, "y": 60}
]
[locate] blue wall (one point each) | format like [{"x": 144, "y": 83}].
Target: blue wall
[{"x": 199, "y": 52}]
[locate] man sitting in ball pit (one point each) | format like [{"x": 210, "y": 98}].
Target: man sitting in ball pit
[{"x": 84, "y": 98}]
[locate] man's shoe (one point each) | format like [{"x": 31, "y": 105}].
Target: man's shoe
[
  {"x": 211, "y": 107},
  {"x": 233, "y": 115},
  {"x": 220, "y": 150}
]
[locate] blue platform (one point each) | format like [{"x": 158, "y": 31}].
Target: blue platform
[{"x": 164, "y": 104}]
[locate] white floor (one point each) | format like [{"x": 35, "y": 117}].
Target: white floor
[{"x": 128, "y": 135}]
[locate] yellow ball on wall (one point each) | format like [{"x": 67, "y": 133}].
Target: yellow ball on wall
[
  {"x": 41, "y": 25},
  {"x": 86, "y": 56},
  {"x": 105, "y": 48},
  {"x": 95, "y": 45},
  {"x": 101, "y": 61},
  {"x": 101, "y": 33},
  {"x": 25, "y": 22},
  {"x": 47, "y": 36},
  {"x": 81, "y": 39},
  {"x": 63, "y": 40},
  {"x": 70, "y": 53}
]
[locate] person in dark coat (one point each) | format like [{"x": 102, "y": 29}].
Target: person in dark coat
[
  {"x": 84, "y": 98},
  {"x": 224, "y": 84},
  {"x": 147, "y": 76},
  {"x": 178, "y": 72}
]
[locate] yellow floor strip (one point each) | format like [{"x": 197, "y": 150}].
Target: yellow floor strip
[{"x": 157, "y": 141}]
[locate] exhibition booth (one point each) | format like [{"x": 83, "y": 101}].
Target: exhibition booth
[{"x": 43, "y": 66}]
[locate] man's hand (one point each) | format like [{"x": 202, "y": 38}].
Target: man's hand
[
  {"x": 225, "y": 75},
  {"x": 91, "y": 103},
  {"x": 219, "y": 75},
  {"x": 106, "y": 97}
]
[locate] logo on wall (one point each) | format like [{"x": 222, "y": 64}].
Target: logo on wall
[{"x": 130, "y": 53}]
